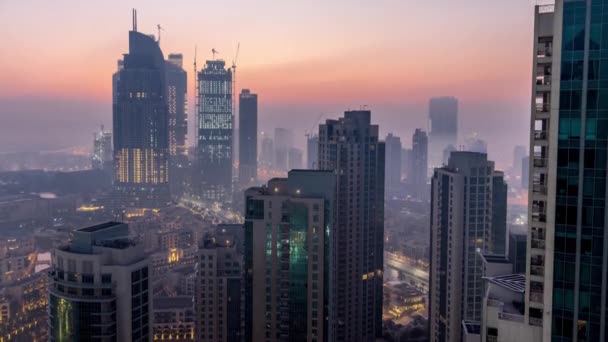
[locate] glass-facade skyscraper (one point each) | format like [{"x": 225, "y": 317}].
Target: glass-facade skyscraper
[
  {"x": 213, "y": 173},
  {"x": 287, "y": 249},
  {"x": 140, "y": 126},
  {"x": 568, "y": 240}
]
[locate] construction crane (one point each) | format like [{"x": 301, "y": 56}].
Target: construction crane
[
  {"x": 159, "y": 29},
  {"x": 196, "y": 90},
  {"x": 236, "y": 56},
  {"x": 214, "y": 52}
]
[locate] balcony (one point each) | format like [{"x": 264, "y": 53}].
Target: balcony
[
  {"x": 539, "y": 188},
  {"x": 539, "y": 162},
  {"x": 537, "y": 270},
  {"x": 536, "y": 297},
  {"x": 542, "y": 108},
  {"x": 539, "y": 217},
  {"x": 538, "y": 244},
  {"x": 540, "y": 135},
  {"x": 510, "y": 317},
  {"x": 536, "y": 321}
]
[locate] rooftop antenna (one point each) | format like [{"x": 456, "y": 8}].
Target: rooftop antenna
[
  {"x": 214, "y": 51},
  {"x": 134, "y": 20},
  {"x": 159, "y": 29}
]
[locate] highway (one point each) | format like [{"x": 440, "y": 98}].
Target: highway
[{"x": 407, "y": 271}]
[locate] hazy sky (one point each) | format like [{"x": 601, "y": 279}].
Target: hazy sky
[{"x": 303, "y": 58}]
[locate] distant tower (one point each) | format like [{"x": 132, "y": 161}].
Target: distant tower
[
  {"x": 140, "y": 118},
  {"x": 443, "y": 127},
  {"x": 283, "y": 141},
  {"x": 248, "y": 137},
  {"x": 177, "y": 88},
  {"x": 215, "y": 126},
  {"x": 102, "y": 150},
  {"x": 393, "y": 164},
  {"x": 312, "y": 151},
  {"x": 419, "y": 169}
]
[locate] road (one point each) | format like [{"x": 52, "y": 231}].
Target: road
[{"x": 407, "y": 271}]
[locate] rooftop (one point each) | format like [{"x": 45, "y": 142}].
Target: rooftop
[
  {"x": 496, "y": 259},
  {"x": 99, "y": 227},
  {"x": 513, "y": 282},
  {"x": 169, "y": 303}
]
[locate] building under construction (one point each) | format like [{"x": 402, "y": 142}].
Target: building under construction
[{"x": 215, "y": 125}]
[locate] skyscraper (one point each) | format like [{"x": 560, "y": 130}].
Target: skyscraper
[
  {"x": 525, "y": 172},
  {"x": 140, "y": 120},
  {"x": 287, "y": 231},
  {"x": 419, "y": 167},
  {"x": 214, "y": 132},
  {"x": 102, "y": 150},
  {"x": 177, "y": 89},
  {"x": 312, "y": 151},
  {"x": 463, "y": 201},
  {"x": 567, "y": 255},
  {"x": 443, "y": 127},
  {"x": 99, "y": 287},
  {"x": 349, "y": 146},
  {"x": 393, "y": 164},
  {"x": 248, "y": 137}
]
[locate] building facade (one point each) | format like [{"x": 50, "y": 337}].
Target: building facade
[
  {"x": 248, "y": 137},
  {"x": 140, "y": 126},
  {"x": 99, "y": 287},
  {"x": 218, "y": 291},
  {"x": 349, "y": 146},
  {"x": 462, "y": 205},
  {"x": 213, "y": 171},
  {"x": 287, "y": 227}
]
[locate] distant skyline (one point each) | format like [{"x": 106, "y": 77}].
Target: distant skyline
[{"x": 302, "y": 59}]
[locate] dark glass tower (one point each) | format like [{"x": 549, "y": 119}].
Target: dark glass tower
[
  {"x": 140, "y": 118},
  {"x": 420, "y": 145},
  {"x": 568, "y": 248},
  {"x": 287, "y": 228},
  {"x": 248, "y": 137},
  {"x": 177, "y": 88},
  {"x": 214, "y": 132},
  {"x": 349, "y": 146}
]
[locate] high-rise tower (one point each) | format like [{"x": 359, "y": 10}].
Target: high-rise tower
[
  {"x": 248, "y": 137},
  {"x": 463, "y": 201},
  {"x": 213, "y": 174},
  {"x": 349, "y": 146},
  {"x": 287, "y": 229},
  {"x": 177, "y": 88},
  {"x": 140, "y": 120}
]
